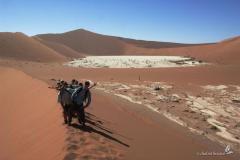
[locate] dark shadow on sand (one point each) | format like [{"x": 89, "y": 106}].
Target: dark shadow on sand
[{"x": 95, "y": 126}]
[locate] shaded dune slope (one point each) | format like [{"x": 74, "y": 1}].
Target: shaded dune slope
[
  {"x": 87, "y": 42},
  {"x": 18, "y": 46},
  {"x": 61, "y": 49}
]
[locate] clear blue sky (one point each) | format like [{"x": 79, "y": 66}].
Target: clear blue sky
[{"x": 189, "y": 21}]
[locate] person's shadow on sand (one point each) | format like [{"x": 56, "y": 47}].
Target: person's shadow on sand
[
  {"x": 93, "y": 125},
  {"x": 97, "y": 128}
]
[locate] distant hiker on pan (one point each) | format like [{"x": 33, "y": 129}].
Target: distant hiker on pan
[{"x": 74, "y": 98}]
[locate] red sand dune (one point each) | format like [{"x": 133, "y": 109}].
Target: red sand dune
[
  {"x": 225, "y": 52},
  {"x": 87, "y": 42},
  {"x": 79, "y": 43},
  {"x": 61, "y": 49},
  {"x": 21, "y": 47},
  {"x": 98, "y": 44},
  {"x": 155, "y": 44},
  {"x": 31, "y": 127}
]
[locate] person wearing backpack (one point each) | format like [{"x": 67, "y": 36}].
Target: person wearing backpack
[
  {"x": 64, "y": 98},
  {"x": 81, "y": 99}
]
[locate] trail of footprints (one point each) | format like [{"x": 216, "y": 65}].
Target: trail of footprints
[{"x": 83, "y": 145}]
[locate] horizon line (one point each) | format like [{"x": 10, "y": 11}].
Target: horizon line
[{"x": 132, "y": 38}]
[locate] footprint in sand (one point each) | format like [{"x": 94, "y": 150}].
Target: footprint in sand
[
  {"x": 70, "y": 156},
  {"x": 72, "y": 147}
]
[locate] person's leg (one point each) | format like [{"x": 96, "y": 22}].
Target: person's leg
[
  {"x": 65, "y": 113},
  {"x": 84, "y": 117},
  {"x": 70, "y": 112},
  {"x": 83, "y": 120},
  {"x": 79, "y": 114}
]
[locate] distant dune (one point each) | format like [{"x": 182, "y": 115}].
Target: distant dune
[
  {"x": 224, "y": 52},
  {"x": 97, "y": 44},
  {"x": 232, "y": 39},
  {"x": 87, "y": 42},
  {"x": 155, "y": 44},
  {"x": 61, "y": 49},
  {"x": 18, "y": 46},
  {"x": 80, "y": 43}
]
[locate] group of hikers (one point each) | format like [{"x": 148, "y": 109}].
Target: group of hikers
[{"x": 74, "y": 97}]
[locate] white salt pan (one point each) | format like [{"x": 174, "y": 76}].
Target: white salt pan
[{"x": 133, "y": 62}]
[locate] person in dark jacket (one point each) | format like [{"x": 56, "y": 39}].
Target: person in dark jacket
[
  {"x": 85, "y": 104},
  {"x": 81, "y": 98}
]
